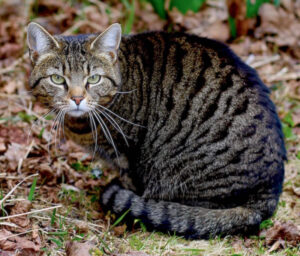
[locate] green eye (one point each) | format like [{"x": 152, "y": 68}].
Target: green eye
[
  {"x": 57, "y": 79},
  {"x": 94, "y": 79}
]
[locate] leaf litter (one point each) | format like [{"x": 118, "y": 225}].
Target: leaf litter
[{"x": 269, "y": 43}]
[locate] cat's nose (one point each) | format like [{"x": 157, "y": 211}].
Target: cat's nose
[{"x": 77, "y": 99}]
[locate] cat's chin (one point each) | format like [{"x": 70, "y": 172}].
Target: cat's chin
[{"x": 76, "y": 113}]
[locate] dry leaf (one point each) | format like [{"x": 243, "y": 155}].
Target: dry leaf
[
  {"x": 14, "y": 153},
  {"x": 13, "y": 243},
  {"x": 288, "y": 232},
  {"x": 82, "y": 227},
  {"x": 2, "y": 145},
  {"x": 120, "y": 230},
  {"x": 133, "y": 253},
  {"x": 6, "y": 244},
  {"x": 21, "y": 207},
  {"x": 77, "y": 248}
]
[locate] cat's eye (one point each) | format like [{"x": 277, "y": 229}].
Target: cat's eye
[
  {"x": 94, "y": 79},
  {"x": 57, "y": 79}
]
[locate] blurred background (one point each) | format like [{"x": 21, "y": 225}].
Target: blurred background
[{"x": 264, "y": 33}]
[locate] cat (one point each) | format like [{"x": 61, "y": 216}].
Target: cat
[{"x": 190, "y": 126}]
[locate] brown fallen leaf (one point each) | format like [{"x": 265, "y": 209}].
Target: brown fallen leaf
[
  {"x": 120, "y": 230},
  {"x": 287, "y": 232},
  {"x": 21, "y": 207},
  {"x": 2, "y": 145},
  {"x": 77, "y": 248},
  {"x": 14, "y": 153},
  {"x": 82, "y": 227},
  {"x": 9, "y": 242},
  {"x": 14, "y": 134},
  {"x": 6, "y": 244},
  {"x": 7, "y": 253},
  {"x": 133, "y": 253}
]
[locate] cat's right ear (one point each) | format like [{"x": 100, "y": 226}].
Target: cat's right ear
[{"x": 39, "y": 41}]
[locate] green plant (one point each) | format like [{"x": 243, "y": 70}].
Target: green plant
[
  {"x": 130, "y": 13},
  {"x": 182, "y": 6},
  {"x": 253, "y": 6},
  {"x": 32, "y": 189}
]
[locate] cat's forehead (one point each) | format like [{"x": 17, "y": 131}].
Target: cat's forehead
[{"x": 75, "y": 56}]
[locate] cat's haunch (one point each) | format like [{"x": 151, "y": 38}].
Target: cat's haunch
[{"x": 190, "y": 126}]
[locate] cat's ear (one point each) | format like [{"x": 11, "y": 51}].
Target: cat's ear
[
  {"x": 108, "y": 41},
  {"x": 39, "y": 40}
]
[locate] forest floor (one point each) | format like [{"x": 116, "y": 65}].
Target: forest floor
[{"x": 49, "y": 188}]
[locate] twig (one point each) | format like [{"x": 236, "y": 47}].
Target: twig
[
  {"x": 286, "y": 77},
  {"x": 25, "y": 156},
  {"x": 14, "y": 64},
  {"x": 9, "y": 224},
  {"x": 5, "y": 176},
  {"x": 27, "y": 213},
  {"x": 277, "y": 75},
  {"x": 250, "y": 59},
  {"x": 19, "y": 234},
  {"x": 265, "y": 61},
  {"x": 4, "y": 95},
  {"x": 70, "y": 220},
  {"x": 15, "y": 187}
]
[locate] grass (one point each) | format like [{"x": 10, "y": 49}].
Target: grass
[
  {"x": 81, "y": 207},
  {"x": 81, "y": 218}
]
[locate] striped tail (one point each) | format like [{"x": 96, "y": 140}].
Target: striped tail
[{"x": 189, "y": 221}]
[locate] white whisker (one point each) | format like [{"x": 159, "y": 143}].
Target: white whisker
[
  {"x": 114, "y": 124},
  {"x": 127, "y": 92},
  {"x": 123, "y": 119},
  {"x": 95, "y": 135},
  {"x": 106, "y": 131}
]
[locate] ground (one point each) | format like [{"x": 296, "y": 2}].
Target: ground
[{"x": 49, "y": 187}]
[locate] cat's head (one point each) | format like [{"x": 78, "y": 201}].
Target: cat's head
[{"x": 74, "y": 73}]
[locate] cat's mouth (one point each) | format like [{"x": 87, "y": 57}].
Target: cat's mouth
[{"x": 78, "y": 109}]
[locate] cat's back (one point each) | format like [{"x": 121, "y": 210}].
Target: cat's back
[
  {"x": 203, "y": 108},
  {"x": 186, "y": 80}
]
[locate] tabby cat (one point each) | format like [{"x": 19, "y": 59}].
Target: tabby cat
[{"x": 191, "y": 127}]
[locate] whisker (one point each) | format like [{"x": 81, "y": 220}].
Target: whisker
[
  {"x": 114, "y": 124},
  {"x": 106, "y": 132},
  {"x": 39, "y": 119},
  {"x": 57, "y": 132},
  {"x": 127, "y": 92},
  {"x": 95, "y": 136},
  {"x": 98, "y": 105}
]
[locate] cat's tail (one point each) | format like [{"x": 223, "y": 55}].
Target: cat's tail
[{"x": 189, "y": 221}]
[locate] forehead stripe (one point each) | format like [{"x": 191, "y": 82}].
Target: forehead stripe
[
  {"x": 37, "y": 82},
  {"x": 109, "y": 78}
]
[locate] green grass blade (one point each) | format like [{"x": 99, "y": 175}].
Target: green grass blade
[
  {"x": 32, "y": 189},
  {"x": 53, "y": 217},
  {"x": 105, "y": 244},
  {"x": 232, "y": 26},
  {"x": 130, "y": 18},
  {"x": 120, "y": 219}
]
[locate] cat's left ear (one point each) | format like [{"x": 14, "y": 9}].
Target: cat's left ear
[{"x": 108, "y": 41}]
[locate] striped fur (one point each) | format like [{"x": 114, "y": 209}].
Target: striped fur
[{"x": 207, "y": 156}]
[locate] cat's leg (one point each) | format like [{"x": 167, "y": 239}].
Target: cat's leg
[{"x": 190, "y": 221}]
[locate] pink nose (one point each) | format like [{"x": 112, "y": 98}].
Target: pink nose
[{"x": 77, "y": 99}]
